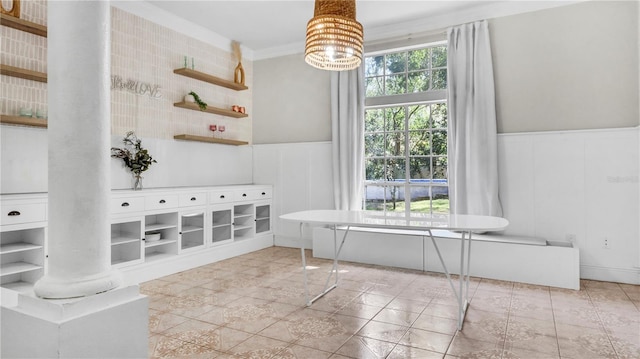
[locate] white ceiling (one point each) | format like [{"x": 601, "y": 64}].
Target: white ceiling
[{"x": 272, "y": 26}]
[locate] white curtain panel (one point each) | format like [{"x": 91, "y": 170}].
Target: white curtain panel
[
  {"x": 472, "y": 138},
  {"x": 347, "y": 135}
]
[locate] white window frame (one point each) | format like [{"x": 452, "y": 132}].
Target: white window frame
[{"x": 403, "y": 100}]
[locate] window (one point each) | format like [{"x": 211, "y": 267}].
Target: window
[{"x": 406, "y": 131}]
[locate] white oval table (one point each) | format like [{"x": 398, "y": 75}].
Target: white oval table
[{"x": 418, "y": 222}]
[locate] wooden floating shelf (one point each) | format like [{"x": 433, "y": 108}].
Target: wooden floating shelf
[
  {"x": 23, "y": 73},
  {"x": 26, "y": 121},
  {"x": 210, "y": 109},
  {"x": 23, "y": 25},
  {"x": 210, "y": 140},
  {"x": 210, "y": 79}
]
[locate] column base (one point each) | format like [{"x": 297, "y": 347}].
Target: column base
[
  {"x": 107, "y": 325},
  {"x": 50, "y": 287}
]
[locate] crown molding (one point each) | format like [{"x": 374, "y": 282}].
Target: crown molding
[{"x": 429, "y": 24}]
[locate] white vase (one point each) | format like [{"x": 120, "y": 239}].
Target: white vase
[{"x": 189, "y": 98}]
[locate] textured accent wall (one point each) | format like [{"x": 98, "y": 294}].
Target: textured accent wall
[
  {"x": 141, "y": 51},
  {"x": 27, "y": 51}
]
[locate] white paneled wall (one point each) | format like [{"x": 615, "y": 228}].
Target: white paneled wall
[
  {"x": 577, "y": 184},
  {"x": 555, "y": 185},
  {"x": 302, "y": 179}
]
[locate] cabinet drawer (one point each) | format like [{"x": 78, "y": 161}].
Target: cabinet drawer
[
  {"x": 253, "y": 194},
  {"x": 193, "y": 199},
  {"x": 127, "y": 205},
  {"x": 261, "y": 193},
  {"x": 23, "y": 213},
  {"x": 161, "y": 201},
  {"x": 221, "y": 197}
]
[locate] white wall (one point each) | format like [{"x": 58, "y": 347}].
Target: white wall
[
  {"x": 571, "y": 67},
  {"x": 291, "y": 102},
  {"x": 180, "y": 163},
  {"x": 302, "y": 179}
]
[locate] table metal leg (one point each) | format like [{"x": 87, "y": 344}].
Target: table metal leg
[
  {"x": 462, "y": 294},
  {"x": 334, "y": 268}
]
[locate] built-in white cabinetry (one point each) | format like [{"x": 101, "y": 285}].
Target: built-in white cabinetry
[
  {"x": 160, "y": 236},
  {"x": 175, "y": 228},
  {"x": 22, "y": 240},
  {"x": 192, "y": 234},
  {"x": 126, "y": 241}
]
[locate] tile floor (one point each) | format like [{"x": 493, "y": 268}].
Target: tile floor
[{"x": 252, "y": 306}]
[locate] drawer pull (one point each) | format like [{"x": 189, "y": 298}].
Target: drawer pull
[
  {"x": 125, "y": 204},
  {"x": 162, "y": 201},
  {"x": 263, "y": 193},
  {"x": 221, "y": 196},
  {"x": 14, "y": 213},
  {"x": 193, "y": 198},
  {"x": 244, "y": 195}
]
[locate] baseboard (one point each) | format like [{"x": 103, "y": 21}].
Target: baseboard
[
  {"x": 619, "y": 275},
  {"x": 292, "y": 242}
]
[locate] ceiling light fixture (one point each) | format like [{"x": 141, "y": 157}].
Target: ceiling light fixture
[{"x": 334, "y": 36}]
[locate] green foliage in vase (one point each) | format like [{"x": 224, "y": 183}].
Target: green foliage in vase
[
  {"x": 201, "y": 104},
  {"x": 134, "y": 156}
]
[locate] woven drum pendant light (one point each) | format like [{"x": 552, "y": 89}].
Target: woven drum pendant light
[{"x": 334, "y": 37}]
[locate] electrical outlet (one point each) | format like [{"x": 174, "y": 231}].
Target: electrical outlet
[
  {"x": 571, "y": 237},
  {"x": 606, "y": 244}
]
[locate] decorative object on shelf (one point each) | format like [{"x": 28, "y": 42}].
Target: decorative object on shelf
[
  {"x": 26, "y": 112},
  {"x": 189, "y": 98},
  {"x": 201, "y": 104},
  {"x": 334, "y": 36},
  {"x": 41, "y": 113},
  {"x": 152, "y": 237},
  {"x": 193, "y": 66},
  {"x": 134, "y": 156},
  {"x": 13, "y": 11},
  {"x": 243, "y": 110},
  {"x": 185, "y": 62},
  {"x": 213, "y": 128},
  {"x": 235, "y": 108},
  {"x": 238, "y": 74}
]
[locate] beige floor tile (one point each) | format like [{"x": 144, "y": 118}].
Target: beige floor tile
[
  {"x": 207, "y": 335},
  {"x": 365, "y": 348},
  {"x": 409, "y": 305},
  {"x": 299, "y": 352},
  {"x": 626, "y": 346},
  {"x": 405, "y": 352},
  {"x": 395, "y": 316},
  {"x": 383, "y": 331},
  {"x": 257, "y": 347},
  {"x": 161, "y": 321},
  {"x": 470, "y": 348},
  {"x": 359, "y": 310},
  {"x": 436, "y": 324},
  {"x": 215, "y": 311},
  {"x": 377, "y": 300},
  {"x": 422, "y": 339}
]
